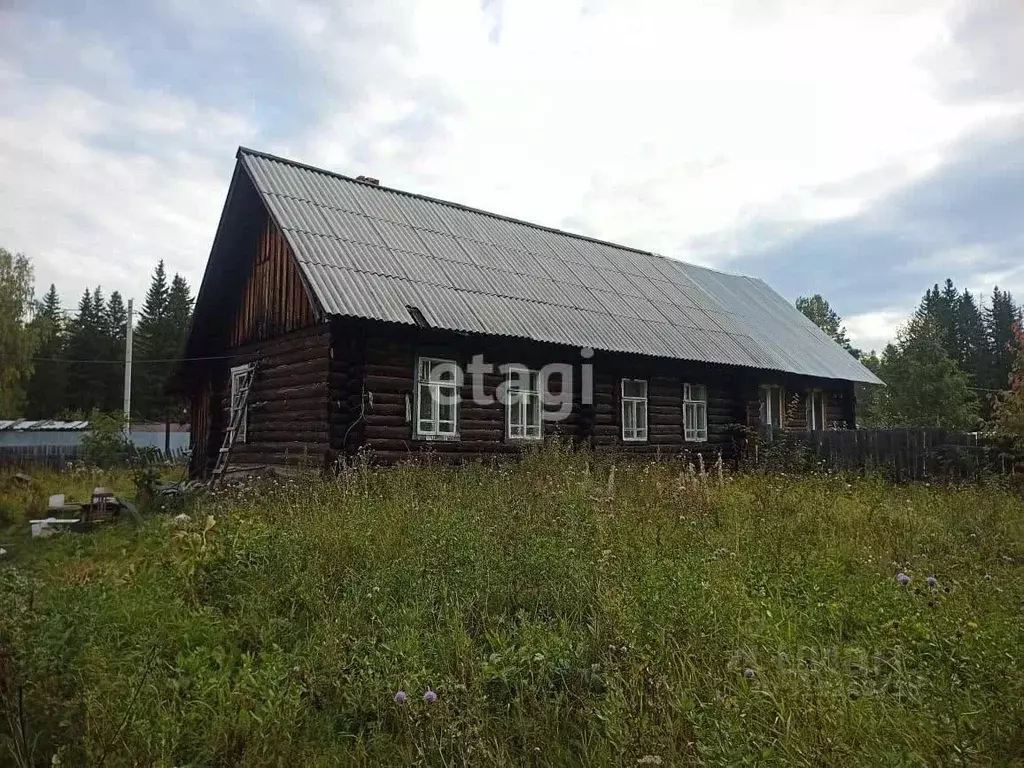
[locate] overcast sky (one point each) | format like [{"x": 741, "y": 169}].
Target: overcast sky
[{"x": 863, "y": 150}]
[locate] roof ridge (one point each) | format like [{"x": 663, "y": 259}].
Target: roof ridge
[{"x": 461, "y": 206}]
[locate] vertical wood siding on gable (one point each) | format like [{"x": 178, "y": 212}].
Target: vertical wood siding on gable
[{"x": 274, "y": 300}]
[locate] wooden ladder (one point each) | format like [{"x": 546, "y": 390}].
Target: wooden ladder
[{"x": 238, "y": 413}]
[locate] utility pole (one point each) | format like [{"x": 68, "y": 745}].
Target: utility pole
[{"x": 128, "y": 375}]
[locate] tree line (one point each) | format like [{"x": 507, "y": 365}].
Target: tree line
[
  {"x": 957, "y": 362},
  {"x": 60, "y": 364}
]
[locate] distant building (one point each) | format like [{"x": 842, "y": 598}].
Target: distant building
[
  {"x": 57, "y": 434},
  {"x": 21, "y": 432}
]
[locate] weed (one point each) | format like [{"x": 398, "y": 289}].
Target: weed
[{"x": 569, "y": 609}]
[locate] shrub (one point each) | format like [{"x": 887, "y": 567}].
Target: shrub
[{"x": 105, "y": 444}]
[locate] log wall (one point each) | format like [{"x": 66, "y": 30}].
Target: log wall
[
  {"x": 839, "y": 403},
  {"x": 372, "y": 376},
  {"x": 335, "y": 388},
  {"x": 289, "y": 409},
  {"x": 348, "y": 401}
]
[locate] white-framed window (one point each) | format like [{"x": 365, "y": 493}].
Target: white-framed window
[
  {"x": 524, "y": 414},
  {"x": 816, "y": 409},
  {"x": 437, "y": 398},
  {"x": 695, "y": 413},
  {"x": 634, "y": 410},
  {"x": 238, "y": 376},
  {"x": 773, "y": 406}
]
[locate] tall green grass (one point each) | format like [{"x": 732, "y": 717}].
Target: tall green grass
[{"x": 561, "y": 617}]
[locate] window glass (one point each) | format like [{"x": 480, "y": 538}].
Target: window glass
[
  {"x": 695, "y": 412},
  {"x": 772, "y": 406},
  {"x": 634, "y": 409},
  {"x": 437, "y": 396},
  {"x": 523, "y": 404}
]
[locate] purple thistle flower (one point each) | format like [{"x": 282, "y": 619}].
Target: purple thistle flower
[
  {"x": 931, "y": 581},
  {"x": 430, "y": 697},
  {"x": 902, "y": 578},
  {"x": 401, "y": 697}
]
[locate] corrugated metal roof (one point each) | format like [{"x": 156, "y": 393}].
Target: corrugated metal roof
[
  {"x": 42, "y": 425},
  {"x": 369, "y": 251}
]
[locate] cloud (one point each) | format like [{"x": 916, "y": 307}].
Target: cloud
[
  {"x": 104, "y": 175},
  {"x": 873, "y": 330},
  {"x": 985, "y": 56},
  {"x": 750, "y": 135},
  {"x": 962, "y": 221}
]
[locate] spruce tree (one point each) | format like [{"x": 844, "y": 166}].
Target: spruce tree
[
  {"x": 85, "y": 345},
  {"x": 939, "y": 306},
  {"x": 948, "y": 317},
  {"x": 1001, "y": 317},
  {"x": 179, "y": 310},
  {"x": 179, "y": 318},
  {"x": 152, "y": 342},
  {"x": 46, "y": 388},
  {"x": 973, "y": 348},
  {"x": 115, "y": 318}
]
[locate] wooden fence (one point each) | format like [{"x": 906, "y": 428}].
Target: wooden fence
[
  {"x": 902, "y": 454},
  {"x": 56, "y": 456}
]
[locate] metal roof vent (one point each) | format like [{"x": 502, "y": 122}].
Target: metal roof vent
[
  {"x": 417, "y": 316},
  {"x": 368, "y": 180}
]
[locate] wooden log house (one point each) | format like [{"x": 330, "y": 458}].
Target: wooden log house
[{"x": 353, "y": 300}]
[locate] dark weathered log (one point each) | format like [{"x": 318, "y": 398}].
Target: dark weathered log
[
  {"x": 376, "y": 420},
  {"x": 390, "y": 370},
  {"x": 276, "y": 384},
  {"x": 311, "y": 407},
  {"x": 310, "y": 447},
  {"x": 306, "y": 344},
  {"x": 387, "y": 383},
  {"x": 285, "y": 421}
]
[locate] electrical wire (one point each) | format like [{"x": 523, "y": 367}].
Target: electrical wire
[{"x": 135, "y": 361}]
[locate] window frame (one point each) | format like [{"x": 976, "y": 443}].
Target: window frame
[
  {"x": 766, "y": 399},
  {"x": 513, "y": 374},
  {"x": 633, "y": 402},
  {"x": 435, "y": 386},
  {"x": 699, "y": 406},
  {"x": 237, "y": 375},
  {"x": 812, "y": 422}
]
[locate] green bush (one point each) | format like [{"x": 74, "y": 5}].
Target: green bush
[
  {"x": 105, "y": 444},
  {"x": 564, "y": 612}
]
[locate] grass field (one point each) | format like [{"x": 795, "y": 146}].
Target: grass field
[{"x": 562, "y": 614}]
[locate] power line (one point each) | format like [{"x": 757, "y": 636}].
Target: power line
[{"x": 134, "y": 362}]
